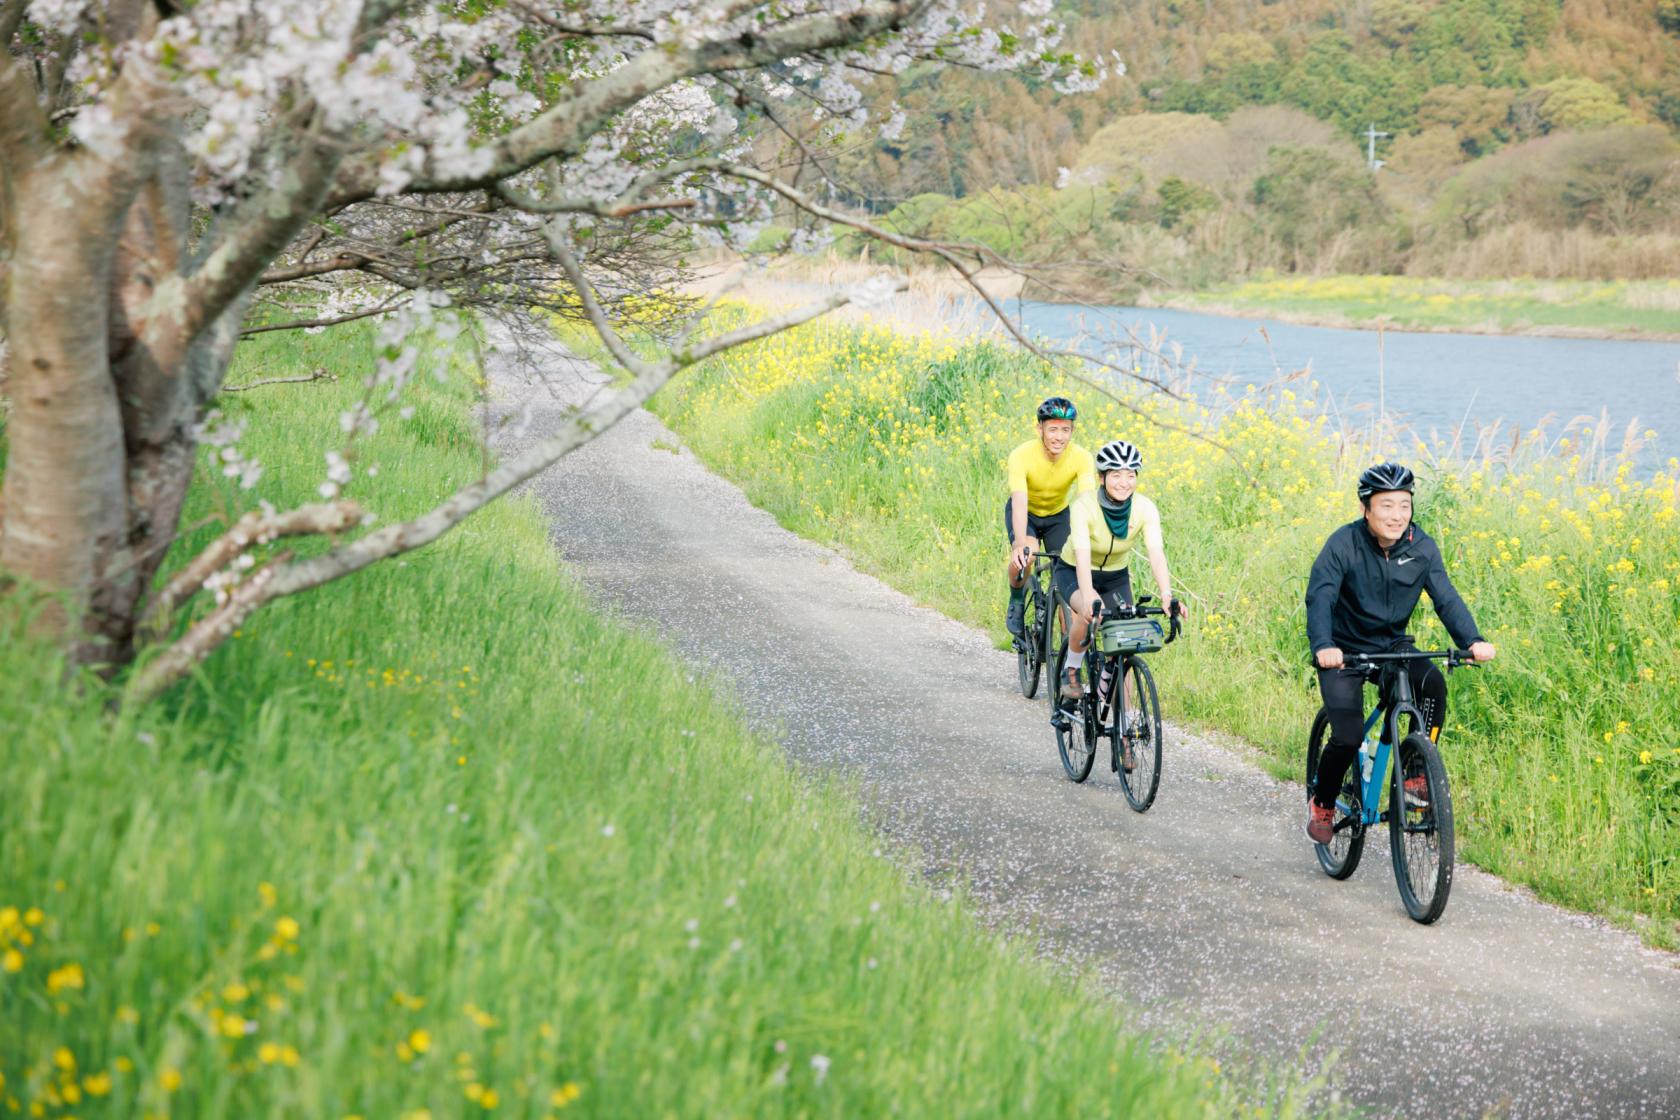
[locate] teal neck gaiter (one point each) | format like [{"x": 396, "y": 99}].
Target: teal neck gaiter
[{"x": 1118, "y": 516}]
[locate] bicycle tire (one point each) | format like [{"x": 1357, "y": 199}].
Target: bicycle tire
[
  {"x": 1421, "y": 836},
  {"x": 1340, "y": 857},
  {"x": 1077, "y": 743},
  {"x": 1137, "y": 725},
  {"x": 1029, "y": 652},
  {"x": 1055, "y": 652}
]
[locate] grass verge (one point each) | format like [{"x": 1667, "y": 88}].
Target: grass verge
[
  {"x": 440, "y": 840},
  {"x": 1564, "y": 755},
  {"x": 1634, "y": 308}
]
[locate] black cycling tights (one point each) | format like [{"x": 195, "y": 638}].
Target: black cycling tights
[{"x": 1344, "y": 698}]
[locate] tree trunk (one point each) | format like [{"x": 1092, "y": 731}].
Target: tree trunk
[
  {"x": 65, "y": 524},
  {"x": 101, "y": 445}
]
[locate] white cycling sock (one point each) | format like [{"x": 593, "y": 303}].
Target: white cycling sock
[{"x": 1075, "y": 660}]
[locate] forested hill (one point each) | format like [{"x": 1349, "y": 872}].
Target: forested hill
[
  {"x": 1524, "y": 137},
  {"x": 1494, "y": 71}
]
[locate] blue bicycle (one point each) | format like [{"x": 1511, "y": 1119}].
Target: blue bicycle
[{"x": 1419, "y": 807}]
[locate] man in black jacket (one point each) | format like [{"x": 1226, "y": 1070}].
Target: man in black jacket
[{"x": 1360, "y": 597}]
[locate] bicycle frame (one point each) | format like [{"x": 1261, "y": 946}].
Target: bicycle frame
[{"x": 1370, "y": 790}]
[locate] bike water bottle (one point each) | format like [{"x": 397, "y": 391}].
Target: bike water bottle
[{"x": 1367, "y": 759}]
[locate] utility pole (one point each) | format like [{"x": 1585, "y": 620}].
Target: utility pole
[{"x": 1371, "y": 137}]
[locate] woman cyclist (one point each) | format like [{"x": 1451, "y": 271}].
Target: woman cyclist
[{"x": 1102, "y": 528}]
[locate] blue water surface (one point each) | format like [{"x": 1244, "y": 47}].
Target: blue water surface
[{"x": 1438, "y": 384}]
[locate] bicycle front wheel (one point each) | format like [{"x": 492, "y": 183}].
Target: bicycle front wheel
[
  {"x": 1029, "y": 650},
  {"x": 1137, "y": 735},
  {"x": 1420, "y": 828},
  {"x": 1054, "y": 654},
  {"x": 1340, "y": 857},
  {"x": 1077, "y": 742}
]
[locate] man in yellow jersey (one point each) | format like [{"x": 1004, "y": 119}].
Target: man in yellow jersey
[
  {"x": 1103, "y": 527},
  {"x": 1042, "y": 472}
]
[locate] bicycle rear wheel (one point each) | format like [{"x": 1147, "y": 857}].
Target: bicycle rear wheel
[
  {"x": 1420, "y": 828},
  {"x": 1340, "y": 857},
  {"x": 1029, "y": 649},
  {"x": 1137, "y": 734}
]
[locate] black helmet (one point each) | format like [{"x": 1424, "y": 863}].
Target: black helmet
[
  {"x": 1118, "y": 455},
  {"x": 1057, "y": 408},
  {"x": 1385, "y": 476}
]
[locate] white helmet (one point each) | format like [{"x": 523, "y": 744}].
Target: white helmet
[{"x": 1118, "y": 455}]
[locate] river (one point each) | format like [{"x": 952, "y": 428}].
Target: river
[{"x": 1432, "y": 382}]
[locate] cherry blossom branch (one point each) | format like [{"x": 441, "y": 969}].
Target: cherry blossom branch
[
  {"x": 620, "y": 209},
  {"x": 305, "y": 269},
  {"x": 565, "y": 127},
  {"x": 262, "y": 230},
  {"x": 319, "y": 374},
  {"x": 283, "y": 576},
  {"x": 255, "y": 528},
  {"x": 384, "y": 308},
  {"x": 205, "y": 635}
]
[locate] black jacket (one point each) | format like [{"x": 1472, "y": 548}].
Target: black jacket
[{"x": 1360, "y": 600}]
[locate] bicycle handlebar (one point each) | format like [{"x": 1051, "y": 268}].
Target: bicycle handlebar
[
  {"x": 1139, "y": 609},
  {"x": 1455, "y": 658}
]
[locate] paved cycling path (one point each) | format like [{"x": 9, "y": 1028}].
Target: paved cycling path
[{"x": 1208, "y": 911}]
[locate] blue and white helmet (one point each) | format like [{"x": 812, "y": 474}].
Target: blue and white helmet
[{"x": 1118, "y": 455}]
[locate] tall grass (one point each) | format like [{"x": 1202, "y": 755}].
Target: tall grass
[
  {"x": 1525, "y": 249},
  {"x": 441, "y": 840},
  {"x": 1565, "y": 753}
]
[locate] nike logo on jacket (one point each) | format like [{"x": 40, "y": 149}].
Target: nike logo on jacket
[{"x": 1360, "y": 599}]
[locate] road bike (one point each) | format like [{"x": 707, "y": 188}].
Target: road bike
[
  {"x": 1419, "y": 805},
  {"x": 1120, "y": 701},
  {"x": 1035, "y": 639}
]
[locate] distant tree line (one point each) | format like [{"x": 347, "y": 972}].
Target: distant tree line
[{"x": 1525, "y": 137}]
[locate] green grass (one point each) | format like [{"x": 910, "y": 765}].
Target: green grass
[
  {"x": 1591, "y": 307},
  {"x": 1564, "y": 754},
  {"x": 439, "y": 839}
]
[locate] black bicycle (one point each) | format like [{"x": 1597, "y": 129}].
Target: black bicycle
[
  {"x": 1419, "y": 809},
  {"x": 1035, "y": 640},
  {"x": 1120, "y": 701}
]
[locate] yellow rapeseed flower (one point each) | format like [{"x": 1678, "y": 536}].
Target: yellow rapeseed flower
[
  {"x": 69, "y": 976},
  {"x": 287, "y": 929},
  {"x": 170, "y": 1079}
]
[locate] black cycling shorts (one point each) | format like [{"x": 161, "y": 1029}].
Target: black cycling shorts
[
  {"x": 1051, "y": 530},
  {"x": 1115, "y": 587}
]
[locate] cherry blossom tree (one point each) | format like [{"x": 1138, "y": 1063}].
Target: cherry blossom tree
[{"x": 175, "y": 174}]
